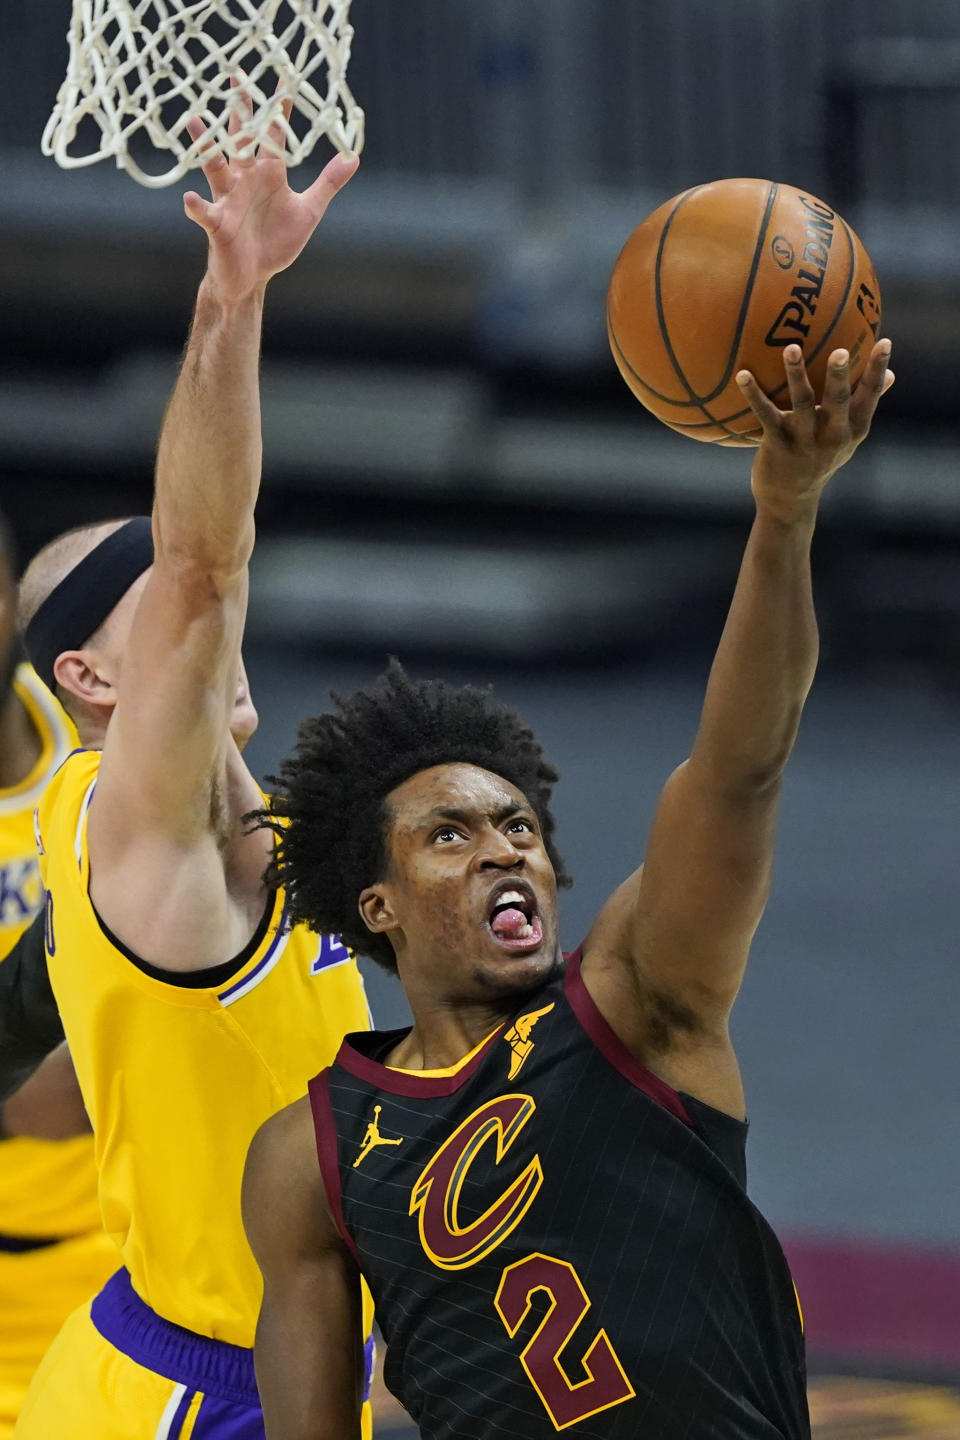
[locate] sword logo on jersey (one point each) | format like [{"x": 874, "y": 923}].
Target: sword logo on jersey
[
  {"x": 435, "y": 1198},
  {"x": 518, "y": 1038},
  {"x": 373, "y": 1138}
]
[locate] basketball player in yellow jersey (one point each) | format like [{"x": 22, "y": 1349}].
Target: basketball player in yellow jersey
[
  {"x": 53, "y": 1252},
  {"x": 191, "y": 1010}
]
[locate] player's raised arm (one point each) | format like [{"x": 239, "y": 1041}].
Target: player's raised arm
[
  {"x": 308, "y": 1355},
  {"x": 671, "y": 946},
  {"x": 168, "y": 761},
  {"x": 181, "y": 670}
]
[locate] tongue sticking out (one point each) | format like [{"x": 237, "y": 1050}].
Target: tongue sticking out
[{"x": 508, "y": 922}]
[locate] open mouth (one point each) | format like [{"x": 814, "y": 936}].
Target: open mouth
[{"x": 513, "y": 919}]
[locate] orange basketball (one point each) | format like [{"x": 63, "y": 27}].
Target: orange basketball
[{"x": 721, "y": 279}]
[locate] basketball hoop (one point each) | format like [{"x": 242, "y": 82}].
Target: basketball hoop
[{"x": 143, "y": 67}]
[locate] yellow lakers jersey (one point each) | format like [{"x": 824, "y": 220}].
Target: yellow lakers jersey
[
  {"x": 177, "y": 1079},
  {"x": 47, "y": 1187}
]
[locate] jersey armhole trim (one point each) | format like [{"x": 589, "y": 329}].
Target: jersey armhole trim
[
  {"x": 326, "y": 1137},
  {"x": 611, "y": 1047},
  {"x": 204, "y": 979}
]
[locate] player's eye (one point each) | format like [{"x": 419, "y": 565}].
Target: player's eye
[
  {"x": 444, "y": 835},
  {"x": 518, "y": 824}
]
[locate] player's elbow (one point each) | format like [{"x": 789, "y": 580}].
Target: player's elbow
[
  {"x": 759, "y": 783},
  {"x": 208, "y": 563},
  {"x": 738, "y": 781}
]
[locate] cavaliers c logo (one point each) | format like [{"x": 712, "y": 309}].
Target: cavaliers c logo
[{"x": 435, "y": 1197}]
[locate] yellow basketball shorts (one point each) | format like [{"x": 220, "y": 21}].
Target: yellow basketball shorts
[
  {"x": 118, "y": 1371},
  {"x": 39, "y": 1288}
]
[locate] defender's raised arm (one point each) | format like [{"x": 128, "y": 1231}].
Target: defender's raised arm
[{"x": 181, "y": 675}]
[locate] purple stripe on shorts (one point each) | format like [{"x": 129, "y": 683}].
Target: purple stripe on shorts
[
  {"x": 369, "y": 1355},
  {"x": 221, "y": 1420},
  {"x": 180, "y": 1415}
]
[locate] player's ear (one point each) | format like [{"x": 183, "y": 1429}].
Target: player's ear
[
  {"x": 80, "y": 673},
  {"x": 376, "y": 912}
]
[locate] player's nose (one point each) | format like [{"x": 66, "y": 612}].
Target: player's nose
[{"x": 497, "y": 851}]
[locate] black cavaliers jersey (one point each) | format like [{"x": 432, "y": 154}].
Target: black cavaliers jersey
[{"x": 557, "y": 1240}]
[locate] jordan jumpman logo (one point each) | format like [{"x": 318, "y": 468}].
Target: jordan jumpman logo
[{"x": 373, "y": 1137}]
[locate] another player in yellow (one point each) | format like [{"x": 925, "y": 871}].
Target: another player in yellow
[
  {"x": 192, "y": 1011},
  {"x": 53, "y": 1252}
]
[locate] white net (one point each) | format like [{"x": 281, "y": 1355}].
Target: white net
[{"x": 138, "y": 69}]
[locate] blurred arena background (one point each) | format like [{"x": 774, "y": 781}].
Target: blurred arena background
[{"x": 455, "y": 473}]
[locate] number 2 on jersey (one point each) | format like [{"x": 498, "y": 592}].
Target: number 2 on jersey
[{"x": 566, "y": 1400}]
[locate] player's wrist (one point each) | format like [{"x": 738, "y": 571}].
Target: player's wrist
[
  {"x": 787, "y": 516},
  {"x": 218, "y": 299}
]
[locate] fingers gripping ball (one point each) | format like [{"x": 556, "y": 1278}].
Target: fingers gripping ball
[{"x": 724, "y": 277}]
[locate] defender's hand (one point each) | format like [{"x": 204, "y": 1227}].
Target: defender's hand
[
  {"x": 803, "y": 446},
  {"x": 255, "y": 223}
]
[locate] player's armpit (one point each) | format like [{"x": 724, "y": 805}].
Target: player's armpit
[
  {"x": 666, "y": 956},
  {"x": 308, "y": 1350},
  {"x": 678, "y": 1034}
]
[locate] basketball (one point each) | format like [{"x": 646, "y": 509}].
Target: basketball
[{"x": 722, "y": 278}]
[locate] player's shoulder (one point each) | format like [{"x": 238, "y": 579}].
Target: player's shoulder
[
  {"x": 283, "y": 1134},
  {"x": 282, "y": 1181},
  {"x": 71, "y": 784}
]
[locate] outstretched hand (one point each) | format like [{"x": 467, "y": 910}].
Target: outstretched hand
[
  {"x": 803, "y": 446},
  {"x": 255, "y": 224}
]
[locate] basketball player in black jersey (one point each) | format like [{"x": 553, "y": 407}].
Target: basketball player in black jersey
[{"x": 543, "y": 1179}]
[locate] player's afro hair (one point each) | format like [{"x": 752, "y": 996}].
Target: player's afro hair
[{"x": 328, "y": 807}]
